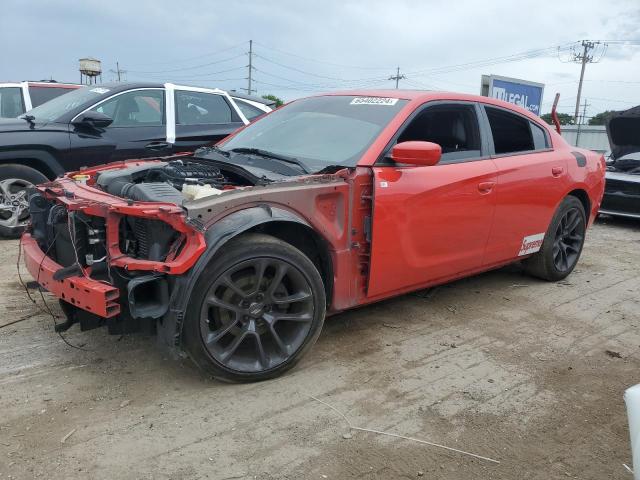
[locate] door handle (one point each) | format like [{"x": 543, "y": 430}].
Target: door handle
[
  {"x": 156, "y": 146},
  {"x": 486, "y": 187},
  {"x": 557, "y": 171}
]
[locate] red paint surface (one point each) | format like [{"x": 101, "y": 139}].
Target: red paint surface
[{"x": 83, "y": 292}]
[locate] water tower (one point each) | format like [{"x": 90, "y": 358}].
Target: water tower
[{"x": 90, "y": 70}]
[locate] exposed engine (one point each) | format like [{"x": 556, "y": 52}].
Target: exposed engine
[
  {"x": 166, "y": 182},
  {"x": 173, "y": 182}
]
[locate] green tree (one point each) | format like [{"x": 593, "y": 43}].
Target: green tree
[
  {"x": 601, "y": 118},
  {"x": 564, "y": 118},
  {"x": 273, "y": 98}
]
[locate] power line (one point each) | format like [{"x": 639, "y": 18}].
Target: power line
[
  {"x": 304, "y": 72},
  {"x": 188, "y": 59},
  {"x": 315, "y": 60},
  {"x": 192, "y": 67},
  {"x": 196, "y": 75}
]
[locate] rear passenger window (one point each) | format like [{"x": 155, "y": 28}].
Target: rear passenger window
[
  {"x": 511, "y": 133},
  {"x": 198, "y": 108},
  {"x": 40, "y": 95},
  {"x": 539, "y": 137},
  {"x": 11, "y": 104}
]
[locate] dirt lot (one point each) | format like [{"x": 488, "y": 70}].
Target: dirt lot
[{"x": 501, "y": 365}]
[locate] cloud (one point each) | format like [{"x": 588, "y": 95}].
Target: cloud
[{"x": 306, "y": 47}]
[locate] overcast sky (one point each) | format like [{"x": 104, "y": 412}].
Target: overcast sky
[{"x": 305, "y": 47}]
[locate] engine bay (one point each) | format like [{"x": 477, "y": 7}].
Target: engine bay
[{"x": 174, "y": 181}]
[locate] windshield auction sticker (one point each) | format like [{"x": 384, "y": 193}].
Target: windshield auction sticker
[
  {"x": 374, "y": 101},
  {"x": 99, "y": 90}
]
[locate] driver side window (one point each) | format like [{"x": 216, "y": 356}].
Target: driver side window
[
  {"x": 138, "y": 108},
  {"x": 454, "y": 127}
]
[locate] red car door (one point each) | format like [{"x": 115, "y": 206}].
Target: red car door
[
  {"x": 532, "y": 179},
  {"x": 431, "y": 223}
]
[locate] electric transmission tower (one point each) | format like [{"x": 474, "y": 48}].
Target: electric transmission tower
[
  {"x": 397, "y": 77},
  {"x": 250, "y": 66}
]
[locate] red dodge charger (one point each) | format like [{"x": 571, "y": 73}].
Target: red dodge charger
[{"x": 236, "y": 253}]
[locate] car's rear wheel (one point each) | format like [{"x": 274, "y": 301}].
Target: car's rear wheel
[
  {"x": 14, "y": 205},
  {"x": 562, "y": 243},
  {"x": 256, "y": 309}
]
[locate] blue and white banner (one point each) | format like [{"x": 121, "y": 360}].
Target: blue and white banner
[{"x": 526, "y": 95}]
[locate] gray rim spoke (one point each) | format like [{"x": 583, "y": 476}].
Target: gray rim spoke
[
  {"x": 278, "y": 341},
  {"x": 262, "y": 355},
  {"x": 292, "y": 317},
  {"x": 216, "y": 335},
  {"x": 281, "y": 271},
  {"x": 260, "y": 268},
  {"x": 228, "y": 352},
  {"x": 296, "y": 297},
  {"x": 226, "y": 281},
  {"x": 213, "y": 300}
]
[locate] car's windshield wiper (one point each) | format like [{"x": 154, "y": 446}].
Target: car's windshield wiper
[
  {"x": 219, "y": 150},
  {"x": 29, "y": 118},
  {"x": 267, "y": 154}
]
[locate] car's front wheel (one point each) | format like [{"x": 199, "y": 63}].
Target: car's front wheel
[
  {"x": 14, "y": 204},
  {"x": 255, "y": 311},
  {"x": 562, "y": 243}
]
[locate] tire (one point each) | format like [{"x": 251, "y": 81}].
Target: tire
[
  {"x": 257, "y": 308},
  {"x": 562, "y": 243},
  {"x": 14, "y": 205}
]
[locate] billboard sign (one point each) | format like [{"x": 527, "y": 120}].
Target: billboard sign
[{"x": 527, "y": 95}]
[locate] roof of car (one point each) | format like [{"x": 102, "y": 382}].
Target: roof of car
[
  {"x": 53, "y": 84},
  {"x": 421, "y": 96}
]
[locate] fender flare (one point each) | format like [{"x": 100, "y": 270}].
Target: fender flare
[
  {"x": 219, "y": 234},
  {"x": 47, "y": 164}
]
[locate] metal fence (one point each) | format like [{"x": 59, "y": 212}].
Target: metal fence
[{"x": 592, "y": 137}]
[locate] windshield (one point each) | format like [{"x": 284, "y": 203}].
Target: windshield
[
  {"x": 54, "y": 109},
  {"x": 320, "y": 131}
]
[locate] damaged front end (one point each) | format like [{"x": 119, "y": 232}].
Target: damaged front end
[
  {"x": 109, "y": 258},
  {"x": 109, "y": 242}
]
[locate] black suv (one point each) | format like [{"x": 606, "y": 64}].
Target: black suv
[{"x": 95, "y": 125}]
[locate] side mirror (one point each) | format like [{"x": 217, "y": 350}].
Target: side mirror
[
  {"x": 93, "y": 120},
  {"x": 423, "y": 154}
]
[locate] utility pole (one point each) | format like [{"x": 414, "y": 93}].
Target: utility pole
[
  {"x": 119, "y": 73},
  {"x": 582, "y": 119},
  {"x": 249, "y": 90},
  {"x": 584, "y": 58},
  {"x": 397, "y": 77}
]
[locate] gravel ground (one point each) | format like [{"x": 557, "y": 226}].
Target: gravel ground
[{"x": 502, "y": 365}]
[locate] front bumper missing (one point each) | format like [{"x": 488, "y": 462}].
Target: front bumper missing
[{"x": 85, "y": 293}]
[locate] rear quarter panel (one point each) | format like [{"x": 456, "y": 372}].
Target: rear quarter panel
[{"x": 585, "y": 171}]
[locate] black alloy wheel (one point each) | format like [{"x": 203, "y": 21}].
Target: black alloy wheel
[
  {"x": 568, "y": 240},
  {"x": 562, "y": 243},
  {"x": 260, "y": 306}
]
